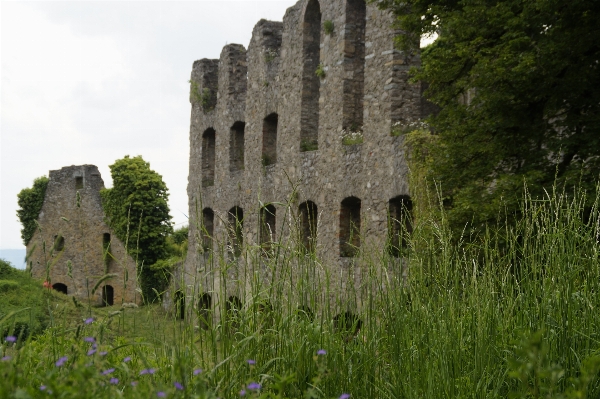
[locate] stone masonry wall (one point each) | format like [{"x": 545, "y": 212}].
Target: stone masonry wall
[
  {"x": 87, "y": 243},
  {"x": 364, "y": 88}
]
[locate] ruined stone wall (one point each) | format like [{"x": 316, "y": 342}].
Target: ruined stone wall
[
  {"x": 73, "y": 232},
  {"x": 363, "y": 87}
]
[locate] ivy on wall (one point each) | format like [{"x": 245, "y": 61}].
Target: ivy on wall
[{"x": 30, "y": 202}]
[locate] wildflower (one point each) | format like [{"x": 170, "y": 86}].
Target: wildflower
[
  {"x": 253, "y": 386},
  {"x": 90, "y": 339},
  {"x": 161, "y": 394},
  {"x": 114, "y": 381},
  {"x": 107, "y": 372},
  {"x": 61, "y": 361},
  {"x": 103, "y": 353},
  {"x": 47, "y": 284},
  {"x": 89, "y": 320},
  {"x": 321, "y": 352},
  {"x": 344, "y": 396},
  {"x": 128, "y": 358},
  {"x": 242, "y": 392},
  {"x": 11, "y": 338},
  {"x": 42, "y": 387},
  {"x": 91, "y": 352},
  {"x": 197, "y": 371},
  {"x": 147, "y": 371},
  {"x": 178, "y": 386},
  {"x": 6, "y": 358},
  {"x": 134, "y": 383},
  {"x": 251, "y": 362}
]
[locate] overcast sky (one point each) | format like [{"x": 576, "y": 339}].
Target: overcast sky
[{"x": 88, "y": 82}]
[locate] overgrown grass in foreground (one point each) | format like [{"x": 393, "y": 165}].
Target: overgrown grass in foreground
[{"x": 513, "y": 316}]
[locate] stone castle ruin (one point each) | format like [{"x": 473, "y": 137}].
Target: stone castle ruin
[
  {"x": 74, "y": 248},
  {"x": 292, "y": 139}
]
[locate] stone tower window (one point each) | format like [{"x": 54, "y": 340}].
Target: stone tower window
[
  {"x": 311, "y": 55},
  {"x": 269, "y": 150},
  {"x": 208, "y": 157},
  {"x": 204, "y": 307},
  {"x": 60, "y": 287},
  {"x": 399, "y": 224},
  {"x": 236, "y": 147},
  {"x": 308, "y": 225},
  {"x": 354, "y": 64},
  {"x": 78, "y": 182},
  {"x": 235, "y": 218},
  {"x": 350, "y": 227},
  {"x": 267, "y": 228},
  {"x": 108, "y": 295},
  {"x": 59, "y": 243},
  {"x": 106, "y": 251},
  {"x": 208, "y": 223}
]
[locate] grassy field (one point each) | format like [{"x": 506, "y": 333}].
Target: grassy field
[{"x": 513, "y": 313}]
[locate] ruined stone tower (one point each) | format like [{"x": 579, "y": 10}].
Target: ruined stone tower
[
  {"x": 74, "y": 247},
  {"x": 271, "y": 125}
]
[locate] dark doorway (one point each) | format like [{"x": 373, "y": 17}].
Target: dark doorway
[
  {"x": 204, "y": 307},
  {"x": 108, "y": 295},
  {"x": 60, "y": 287}
]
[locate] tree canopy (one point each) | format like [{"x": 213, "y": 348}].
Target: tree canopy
[
  {"x": 517, "y": 86},
  {"x": 137, "y": 210},
  {"x": 30, "y": 201}
]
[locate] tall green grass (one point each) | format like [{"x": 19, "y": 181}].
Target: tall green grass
[{"x": 513, "y": 313}]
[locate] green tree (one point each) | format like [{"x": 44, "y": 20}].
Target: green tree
[
  {"x": 136, "y": 209},
  {"x": 516, "y": 81},
  {"x": 30, "y": 202}
]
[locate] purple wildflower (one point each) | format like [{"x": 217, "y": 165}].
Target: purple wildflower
[
  {"x": 128, "y": 358},
  {"x": 178, "y": 386},
  {"x": 89, "y": 320},
  {"x": 321, "y": 352},
  {"x": 42, "y": 387},
  {"x": 147, "y": 371},
  {"x": 114, "y": 381},
  {"x": 90, "y": 339},
  {"x": 253, "y": 386},
  {"x": 6, "y": 358},
  {"x": 107, "y": 372},
  {"x": 161, "y": 394},
  {"x": 242, "y": 392},
  {"x": 103, "y": 353},
  {"x": 197, "y": 371},
  {"x": 11, "y": 338},
  {"x": 251, "y": 362},
  {"x": 91, "y": 352},
  {"x": 344, "y": 396},
  {"x": 134, "y": 383},
  {"x": 61, "y": 361}
]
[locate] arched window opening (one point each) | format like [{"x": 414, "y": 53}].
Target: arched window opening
[
  {"x": 208, "y": 157},
  {"x": 59, "y": 243},
  {"x": 311, "y": 55},
  {"x": 235, "y": 218},
  {"x": 269, "y": 150},
  {"x": 350, "y": 227},
  {"x": 267, "y": 228},
  {"x": 108, "y": 295},
  {"x": 354, "y": 64},
  {"x": 308, "y": 225},
  {"x": 204, "y": 311},
  {"x": 78, "y": 182},
  {"x": 179, "y": 305},
  {"x": 208, "y": 225},
  {"x": 399, "y": 224},
  {"x": 60, "y": 287},
  {"x": 348, "y": 325},
  {"x": 106, "y": 252},
  {"x": 236, "y": 146}
]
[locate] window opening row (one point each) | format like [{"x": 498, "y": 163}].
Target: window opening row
[{"x": 400, "y": 222}]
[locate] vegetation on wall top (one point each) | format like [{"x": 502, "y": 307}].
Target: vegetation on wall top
[{"x": 30, "y": 202}]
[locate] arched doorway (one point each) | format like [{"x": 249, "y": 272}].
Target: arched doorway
[
  {"x": 108, "y": 295},
  {"x": 60, "y": 287}
]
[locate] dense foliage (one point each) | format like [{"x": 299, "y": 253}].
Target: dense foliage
[
  {"x": 516, "y": 81},
  {"x": 30, "y": 202},
  {"x": 136, "y": 209}
]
